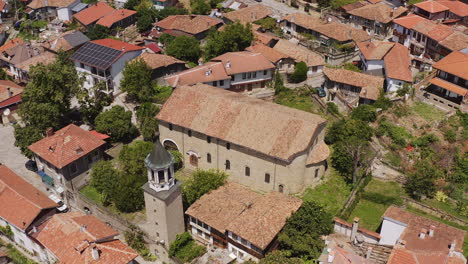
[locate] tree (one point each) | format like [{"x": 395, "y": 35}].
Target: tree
[
  {"x": 104, "y": 178},
  {"x": 234, "y": 37},
  {"x": 136, "y": 81},
  {"x": 200, "y": 7},
  {"x": 300, "y": 72},
  {"x": 132, "y": 4},
  {"x": 382, "y": 102},
  {"x": 147, "y": 119},
  {"x": 92, "y": 101},
  {"x": 351, "y": 67},
  {"x": 166, "y": 38},
  {"x": 267, "y": 23},
  {"x": 279, "y": 257},
  {"x": 128, "y": 196},
  {"x": 117, "y": 123},
  {"x": 323, "y": 3},
  {"x": 169, "y": 11},
  {"x": 422, "y": 182},
  {"x": 279, "y": 83},
  {"x": 4, "y": 75},
  {"x": 202, "y": 182},
  {"x": 145, "y": 19},
  {"x": 365, "y": 113},
  {"x": 98, "y": 32},
  {"x": 301, "y": 236},
  {"x": 184, "y": 48},
  {"x": 25, "y": 136},
  {"x": 132, "y": 159}
]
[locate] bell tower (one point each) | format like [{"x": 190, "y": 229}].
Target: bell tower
[{"x": 163, "y": 198}]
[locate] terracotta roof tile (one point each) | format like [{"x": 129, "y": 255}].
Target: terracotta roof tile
[
  {"x": 379, "y": 12},
  {"x": 299, "y": 53},
  {"x": 342, "y": 32},
  {"x": 155, "y": 61},
  {"x": 20, "y": 202},
  {"x": 371, "y": 85},
  {"x": 354, "y": 5},
  {"x": 268, "y": 128},
  {"x": 199, "y": 75},
  {"x": 427, "y": 27},
  {"x": 398, "y": 63},
  {"x": 66, "y": 145},
  {"x": 93, "y": 13},
  {"x": 444, "y": 235},
  {"x": 10, "y": 44},
  {"x": 192, "y": 24},
  {"x": 271, "y": 54},
  {"x": 36, "y": 4},
  {"x": 456, "y": 41},
  {"x": 432, "y": 6},
  {"x": 249, "y": 14},
  {"x": 450, "y": 86},
  {"x": 363, "y": 230},
  {"x": 243, "y": 61},
  {"x": 14, "y": 88},
  {"x": 455, "y": 63},
  {"x": 319, "y": 153},
  {"x": 342, "y": 256},
  {"x": 66, "y": 41},
  {"x": 457, "y": 7},
  {"x": 114, "y": 17},
  {"x": 43, "y": 58},
  {"x": 303, "y": 20},
  {"x": 408, "y": 21},
  {"x": 375, "y": 50},
  {"x": 250, "y": 215},
  {"x": 71, "y": 237},
  {"x": 402, "y": 256}
]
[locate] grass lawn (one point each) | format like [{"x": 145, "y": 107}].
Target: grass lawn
[
  {"x": 428, "y": 112},
  {"x": 332, "y": 194},
  {"x": 298, "y": 98},
  {"x": 370, "y": 212},
  {"x": 449, "y": 208},
  {"x": 91, "y": 193}
]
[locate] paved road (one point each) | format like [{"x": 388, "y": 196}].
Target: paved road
[
  {"x": 279, "y": 9},
  {"x": 11, "y": 157}
]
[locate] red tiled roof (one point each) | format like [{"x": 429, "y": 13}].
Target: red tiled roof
[
  {"x": 20, "y": 202},
  {"x": 66, "y": 145},
  {"x": 2, "y": 5},
  {"x": 11, "y": 101},
  {"x": 198, "y": 75},
  {"x": 192, "y": 24},
  {"x": 153, "y": 47},
  {"x": 432, "y": 6},
  {"x": 71, "y": 237},
  {"x": 10, "y": 44},
  {"x": 249, "y": 14},
  {"x": 408, "y": 21},
  {"x": 244, "y": 61},
  {"x": 270, "y": 53},
  {"x": 114, "y": 17},
  {"x": 15, "y": 89},
  {"x": 99, "y": 135},
  {"x": 93, "y": 13},
  {"x": 450, "y": 86},
  {"x": 457, "y": 7},
  {"x": 363, "y": 230},
  {"x": 117, "y": 44},
  {"x": 455, "y": 63},
  {"x": 398, "y": 63}
]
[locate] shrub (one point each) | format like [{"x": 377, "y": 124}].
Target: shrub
[
  {"x": 178, "y": 159},
  {"x": 365, "y": 113},
  {"x": 300, "y": 72},
  {"x": 332, "y": 108},
  {"x": 6, "y": 231},
  {"x": 185, "y": 249},
  {"x": 117, "y": 123},
  {"x": 424, "y": 141},
  {"x": 450, "y": 136}
]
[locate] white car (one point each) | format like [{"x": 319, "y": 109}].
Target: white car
[{"x": 62, "y": 207}]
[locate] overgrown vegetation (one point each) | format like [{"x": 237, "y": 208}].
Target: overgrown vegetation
[
  {"x": 185, "y": 249},
  {"x": 135, "y": 239},
  {"x": 201, "y": 182},
  {"x": 17, "y": 257}
]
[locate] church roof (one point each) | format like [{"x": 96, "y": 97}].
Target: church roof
[{"x": 159, "y": 158}]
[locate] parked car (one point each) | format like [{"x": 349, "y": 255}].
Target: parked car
[
  {"x": 31, "y": 165},
  {"x": 321, "y": 92},
  {"x": 62, "y": 206}
]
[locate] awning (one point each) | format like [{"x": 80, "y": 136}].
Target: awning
[
  {"x": 449, "y": 86},
  {"x": 46, "y": 178}
]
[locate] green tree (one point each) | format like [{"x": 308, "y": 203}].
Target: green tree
[
  {"x": 92, "y": 102},
  {"x": 278, "y": 257},
  {"x": 422, "y": 182},
  {"x": 184, "y": 48},
  {"x": 365, "y": 113},
  {"x": 301, "y": 236},
  {"x": 279, "y": 83},
  {"x": 351, "y": 67},
  {"x": 201, "y": 182},
  {"x": 200, "y": 7},
  {"x": 166, "y": 38},
  {"x": 170, "y": 11},
  {"x": 300, "y": 72},
  {"x": 323, "y": 3},
  {"x": 145, "y": 19},
  {"x": 132, "y": 159},
  {"x": 136, "y": 81},
  {"x": 103, "y": 178},
  {"x": 4, "y": 75},
  {"x": 382, "y": 102},
  {"x": 234, "y": 37},
  {"x": 127, "y": 195},
  {"x": 98, "y": 32},
  {"x": 117, "y": 123},
  {"x": 185, "y": 249},
  {"x": 146, "y": 115},
  {"x": 132, "y": 4},
  {"x": 267, "y": 23}
]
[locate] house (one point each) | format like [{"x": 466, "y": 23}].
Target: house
[
  {"x": 52, "y": 9},
  {"x": 10, "y": 98},
  {"x": 389, "y": 59},
  {"x": 249, "y": 14},
  {"x": 352, "y": 230},
  {"x": 4, "y": 10},
  {"x": 241, "y": 71},
  {"x": 376, "y": 19},
  {"x": 244, "y": 222},
  {"x": 431, "y": 10},
  {"x": 233, "y": 4},
  {"x": 162, "y": 65},
  {"x": 103, "y": 60},
  {"x": 458, "y": 11},
  {"x": 15, "y": 54},
  {"x": 103, "y": 14},
  {"x": 338, "y": 255},
  {"x": 161, "y": 4},
  {"x": 259, "y": 144},
  {"x": 283, "y": 62},
  {"x": 23, "y": 209},
  {"x": 297, "y": 24},
  {"x": 352, "y": 88},
  {"x": 196, "y": 26},
  {"x": 314, "y": 61},
  {"x": 426, "y": 38},
  {"x": 449, "y": 87},
  {"x": 63, "y": 158},
  {"x": 74, "y": 237},
  {"x": 70, "y": 40},
  {"x": 21, "y": 69},
  {"x": 417, "y": 239}
]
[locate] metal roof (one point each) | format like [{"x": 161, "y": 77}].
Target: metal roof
[
  {"x": 96, "y": 55},
  {"x": 76, "y": 38},
  {"x": 80, "y": 6}
]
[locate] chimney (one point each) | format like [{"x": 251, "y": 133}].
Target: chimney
[
  {"x": 452, "y": 246},
  {"x": 431, "y": 231},
  {"x": 9, "y": 92},
  {"x": 123, "y": 48},
  {"x": 369, "y": 252},
  {"x": 228, "y": 64},
  {"x": 354, "y": 228},
  {"x": 95, "y": 253},
  {"x": 49, "y": 132},
  {"x": 423, "y": 233}
]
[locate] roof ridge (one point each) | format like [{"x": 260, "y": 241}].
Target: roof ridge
[
  {"x": 19, "y": 194},
  {"x": 102, "y": 244}
]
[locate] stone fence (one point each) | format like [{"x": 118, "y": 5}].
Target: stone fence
[{"x": 435, "y": 212}]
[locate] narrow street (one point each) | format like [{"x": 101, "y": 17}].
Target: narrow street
[{"x": 279, "y": 9}]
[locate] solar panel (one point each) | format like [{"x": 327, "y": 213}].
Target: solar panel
[{"x": 96, "y": 55}]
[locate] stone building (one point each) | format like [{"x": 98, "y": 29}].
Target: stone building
[
  {"x": 163, "y": 198},
  {"x": 259, "y": 144}
]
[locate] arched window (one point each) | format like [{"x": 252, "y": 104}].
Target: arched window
[
  {"x": 208, "y": 139},
  {"x": 189, "y": 133},
  {"x": 208, "y": 158},
  {"x": 228, "y": 165},
  {"x": 247, "y": 171},
  {"x": 280, "y": 188}
]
